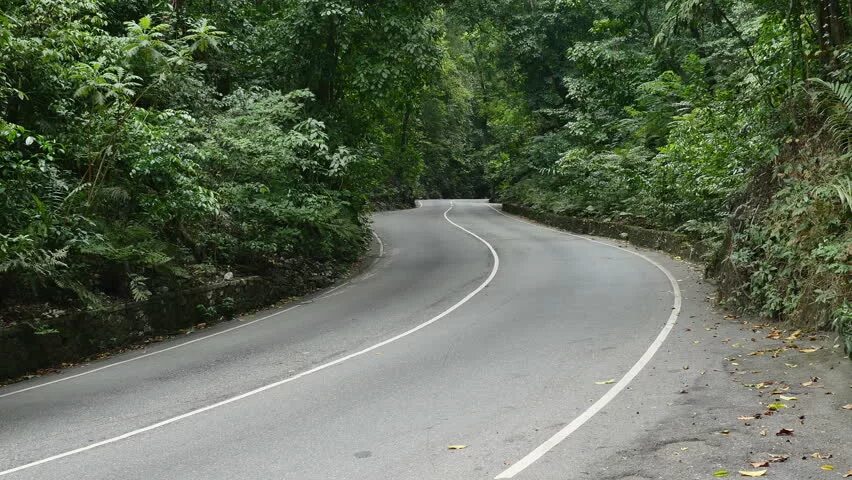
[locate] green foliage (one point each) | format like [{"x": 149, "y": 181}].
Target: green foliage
[
  {"x": 122, "y": 169},
  {"x": 284, "y": 191}
]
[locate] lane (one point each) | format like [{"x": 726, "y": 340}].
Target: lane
[
  {"x": 501, "y": 374},
  {"x": 428, "y": 265}
]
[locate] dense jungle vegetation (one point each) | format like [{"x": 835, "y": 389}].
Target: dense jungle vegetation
[{"x": 149, "y": 145}]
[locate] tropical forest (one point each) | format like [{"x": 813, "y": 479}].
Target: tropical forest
[{"x": 150, "y": 146}]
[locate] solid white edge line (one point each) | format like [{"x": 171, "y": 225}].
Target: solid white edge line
[
  {"x": 562, "y": 434},
  {"x": 494, "y": 268},
  {"x": 146, "y": 355}
]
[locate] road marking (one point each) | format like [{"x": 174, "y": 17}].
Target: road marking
[
  {"x": 494, "y": 268},
  {"x": 381, "y": 244},
  {"x": 146, "y": 355},
  {"x": 596, "y": 407},
  {"x": 88, "y": 372}
]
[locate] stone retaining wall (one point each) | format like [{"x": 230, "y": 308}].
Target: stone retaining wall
[
  {"x": 77, "y": 335},
  {"x": 673, "y": 243}
]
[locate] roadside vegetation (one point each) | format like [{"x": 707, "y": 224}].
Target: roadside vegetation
[
  {"x": 147, "y": 146},
  {"x": 728, "y": 121}
]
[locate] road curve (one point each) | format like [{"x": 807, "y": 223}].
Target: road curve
[{"x": 438, "y": 344}]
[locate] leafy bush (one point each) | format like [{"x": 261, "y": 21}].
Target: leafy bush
[{"x": 122, "y": 171}]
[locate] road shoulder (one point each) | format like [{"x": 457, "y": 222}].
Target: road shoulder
[{"x": 721, "y": 394}]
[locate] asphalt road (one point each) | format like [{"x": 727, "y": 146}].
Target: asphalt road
[{"x": 471, "y": 328}]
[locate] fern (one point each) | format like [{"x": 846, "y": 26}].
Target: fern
[
  {"x": 138, "y": 288},
  {"x": 844, "y": 191},
  {"x": 834, "y": 102},
  {"x": 678, "y": 13}
]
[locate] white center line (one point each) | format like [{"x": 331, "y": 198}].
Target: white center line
[
  {"x": 596, "y": 407},
  {"x": 494, "y": 268}
]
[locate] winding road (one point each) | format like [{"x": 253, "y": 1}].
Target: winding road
[{"x": 471, "y": 328}]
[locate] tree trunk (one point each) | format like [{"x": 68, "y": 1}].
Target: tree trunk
[
  {"x": 328, "y": 71},
  {"x": 831, "y": 28},
  {"x": 798, "y": 63}
]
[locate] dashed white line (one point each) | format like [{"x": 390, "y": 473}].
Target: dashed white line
[
  {"x": 637, "y": 367},
  {"x": 494, "y": 268}
]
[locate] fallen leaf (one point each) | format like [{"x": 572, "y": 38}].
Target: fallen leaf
[
  {"x": 759, "y": 464},
  {"x": 774, "y": 334},
  {"x": 778, "y": 458},
  {"x": 786, "y": 398},
  {"x": 791, "y": 365},
  {"x": 720, "y": 473},
  {"x": 848, "y": 474},
  {"x": 780, "y": 390},
  {"x": 456, "y": 447},
  {"x": 605, "y": 382},
  {"x": 821, "y": 456},
  {"x": 763, "y": 433},
  {"x": 776, "y": 406},
  {"x": 794, "y": 335},
  {"x": 752, "y": 473},
  {"x": 784, "y": 432},
  {"x": 745, "y": 417},
  {"x": 809, "y": 350},
  {"x": 811, "y": 383},
  {"x": 725, "y": 432},
  {"x": 848, "y": 406},
  {"x": 827, "y": 468}
]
